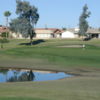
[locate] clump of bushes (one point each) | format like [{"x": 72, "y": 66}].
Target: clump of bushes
[
  {"x": 2, "y": 41},
  {"x": 5, "y": 34}
]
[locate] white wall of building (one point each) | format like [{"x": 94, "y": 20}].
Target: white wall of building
[
  {"x": 41, "y": 35},
  {"x": 16, "y": 35},
  {"x": 99, "y": 36},
  {"x": 68, "y": 34}
]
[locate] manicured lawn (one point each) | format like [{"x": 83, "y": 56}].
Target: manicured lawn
[{"x": 47, "y": 55}]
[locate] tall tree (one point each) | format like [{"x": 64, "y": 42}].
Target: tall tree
[
  {"x": 27, "y": 18},
  {"x": 7, "y": 14},
  {"x": 83, "y": 23}
]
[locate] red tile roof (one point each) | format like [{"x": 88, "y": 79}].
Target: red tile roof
[{"x": 3, "y": 29}]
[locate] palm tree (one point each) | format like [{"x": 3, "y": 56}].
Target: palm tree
[{"x": 7, "y": 14}]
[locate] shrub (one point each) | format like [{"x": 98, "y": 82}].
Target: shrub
[
  {"x": 2, "y": 41},
  {"x": 5, "y": 34}
]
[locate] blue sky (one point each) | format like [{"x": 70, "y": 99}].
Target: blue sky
[{"x": 56, "y": 13}]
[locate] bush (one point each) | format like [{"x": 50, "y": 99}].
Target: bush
[
  {"x": 5, "y": 34},
  {"x": 2, "y": 41}
]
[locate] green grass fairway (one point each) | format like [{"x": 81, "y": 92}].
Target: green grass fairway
[{"x": 49, "y": 55}]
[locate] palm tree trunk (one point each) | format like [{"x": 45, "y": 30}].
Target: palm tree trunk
[{"x": 6, "y": 26}]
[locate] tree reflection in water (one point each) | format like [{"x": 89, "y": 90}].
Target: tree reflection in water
[
  {"x": 4, "y": 72},
  {"x": 26, "y": 76}
]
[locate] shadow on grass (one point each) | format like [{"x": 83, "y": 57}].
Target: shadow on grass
[{"x": 33, "y": 43}]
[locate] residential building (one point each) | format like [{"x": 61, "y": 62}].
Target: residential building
[
  {"x": 48, "y": 33},
  {"x": 94, "y": 32},
  {"x": 70, "y": 33}
]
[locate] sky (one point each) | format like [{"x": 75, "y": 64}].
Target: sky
[{"x": 56, "y": 13}]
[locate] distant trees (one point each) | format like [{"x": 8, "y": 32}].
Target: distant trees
[
  {"x": 64, "y": 28},
  {"x": 7, "y": 14},
  {"x": 27, "y": 18},
  {"x": 83, "y": 23}
]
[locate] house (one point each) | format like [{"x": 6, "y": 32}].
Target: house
[
  {"x": 3, "y": 29},
  {"x": 47, "y": 33},
  {"x": 16, "y": 35},
  {"x": 93, "y": 32},
  {"x": 70, "y": 33},
  {"x": 73, "y": 33},
  {"x": 57, "y": 33},
  {"x": 43, "y": 33},
  {"x": 11, "y": 34}
]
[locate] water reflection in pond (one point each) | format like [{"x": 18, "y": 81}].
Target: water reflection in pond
[
  {"x": 8, "y": 75},
  {"x": 21, "y": 76}
]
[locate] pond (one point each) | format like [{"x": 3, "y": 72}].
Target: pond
[{"x": 12, "y": 75}]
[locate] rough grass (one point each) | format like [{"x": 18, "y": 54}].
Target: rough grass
[
  {"x": 77, "y": 88},
  {"x": 46, "y": 55},
  {"x": 18, "y": 98}
]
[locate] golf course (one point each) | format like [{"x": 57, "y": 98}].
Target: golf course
[{"x": 63, "y": 55}]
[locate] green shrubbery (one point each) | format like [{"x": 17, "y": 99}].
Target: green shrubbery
[
  {"x": 5, "y": 34},
  {"x": 2, "y": 41}
]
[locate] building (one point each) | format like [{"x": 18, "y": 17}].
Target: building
[
  {"x": 41, "y": 33},
  {"x": 16, "y": 35},
  {"x": 47, "y": 33},
  {"x": 3, "y": 29},
  {"x": 73, "y": 33},
  {"x": 70, "y": 33},
  {"x": 93, "y": 32}
]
